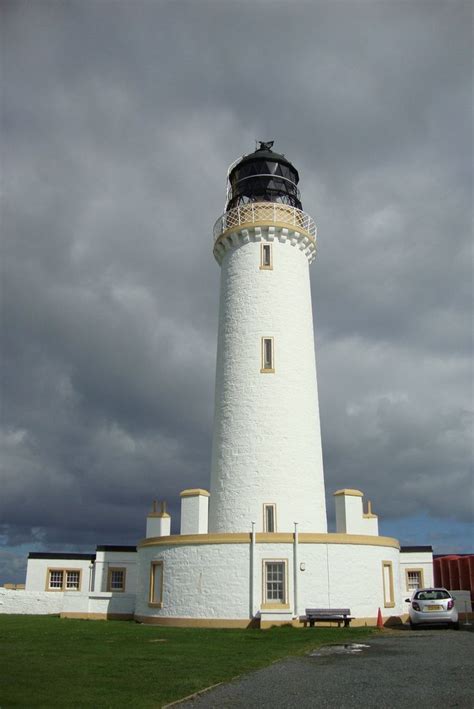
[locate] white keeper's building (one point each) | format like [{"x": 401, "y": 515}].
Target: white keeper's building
[{"x": 254, "y": 549}]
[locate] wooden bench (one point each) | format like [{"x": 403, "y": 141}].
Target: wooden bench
[{"x": 337, "y": 615}]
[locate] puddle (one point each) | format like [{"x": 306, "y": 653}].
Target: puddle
[{"x": 346, "y": 649}]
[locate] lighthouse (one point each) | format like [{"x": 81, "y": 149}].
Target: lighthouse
[
  {"x": 254, "y": 549},
  {"x": 267, "y": 465}
]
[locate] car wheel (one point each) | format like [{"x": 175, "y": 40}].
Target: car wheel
[
  {"x": 455, "y": 626},
  {"x": 412, "y": 625}
]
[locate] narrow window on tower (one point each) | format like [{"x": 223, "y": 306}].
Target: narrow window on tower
[
  {"x": 388, "y": 590},
  {"x": 269, "y": 518},
  {"x": 266, "y": 262},
  {"x": 268, "y": 364},
  {"x": 156, "y": 584}
]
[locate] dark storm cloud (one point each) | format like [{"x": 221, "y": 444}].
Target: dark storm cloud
[{"x": 119, "y": 120}]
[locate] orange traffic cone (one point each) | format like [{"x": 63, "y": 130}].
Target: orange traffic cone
[{"x": 379, "y": 619}]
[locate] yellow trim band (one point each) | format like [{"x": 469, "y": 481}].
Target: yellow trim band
[
  {"x": 348, "y": 491},
  {"x": 270, "y": 538},
  {"x": 193, "y": 492}
]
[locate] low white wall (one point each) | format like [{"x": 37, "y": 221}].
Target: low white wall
[
  {"x": 30, "y": 602},
  {"x": 99, "y": 604},
  {"x": 47, "y": 603}
]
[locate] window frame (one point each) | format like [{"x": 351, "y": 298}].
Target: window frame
[
  {"x": 66, "y": 581},
  {"x": 153, "y": 566},
  {"x": 263, "y": 368},
  {"x": 388, "y": 593},
  {"x": 110, "y": 571},
  {"x": 64, "y": 571},
  {"x": 272, "y": 604},
  {"x": 419, "y": 571},
  {"x": 263, "y": 265},
  {"x": 271, "y": 505}
]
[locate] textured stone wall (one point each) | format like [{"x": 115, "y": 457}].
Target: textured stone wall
[
  {"x": 267, "y": 441},
  {"x": 71, "y": 602},
  {"x": 30, "y": 602},
  {"x": 215, "y": 580}
]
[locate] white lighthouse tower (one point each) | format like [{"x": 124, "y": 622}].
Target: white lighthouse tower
[
  {"x": 255, "y": 550},
  {"x": 267, "y": 463}
]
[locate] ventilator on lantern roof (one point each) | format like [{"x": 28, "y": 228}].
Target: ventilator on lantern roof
[{"x": 263, "y": 176}]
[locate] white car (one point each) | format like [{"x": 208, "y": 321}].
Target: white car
[{"x": 432, "y": 605}]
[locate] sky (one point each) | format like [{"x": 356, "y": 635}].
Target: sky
[{"x": 119, "y": 120}]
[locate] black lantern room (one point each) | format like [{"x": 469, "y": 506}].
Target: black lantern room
[{"x": 263, "y": 176}]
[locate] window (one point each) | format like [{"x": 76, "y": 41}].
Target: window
[
  {"x": 266, "y": 257},
  {"x": 274, "y": 584},
  {"x": 156, "y": 584},
  {"x": 63, "y": 580},
  {"x": 388, "y": 593},
  {"x": 267, "y": 355},
  {"x": 414, "y": 579},
  {"x": 269, "y": 518},
  {"x": 73, "y": 579},
  {"x": 56, "y": 579},
  {"x": 116, "y": 580}
]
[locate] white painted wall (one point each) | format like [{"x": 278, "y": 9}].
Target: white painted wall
[
  {"x": 267, "y": 441},
  {"x": 100, "y": 603},
  {"x": 37, "y": 572},
  {"x": 31, "y": 602},
  {"x": 214, "y": 580},
  {"x": 415, "y": 560},
  {"x": 194, "y": 514},
  {"x": 158, "y": 525},
  {"x": 350, "y": 517},
  {"x": 115, "y": 559}
]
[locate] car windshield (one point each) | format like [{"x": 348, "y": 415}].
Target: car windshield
[{"x": 432, "y": 595}]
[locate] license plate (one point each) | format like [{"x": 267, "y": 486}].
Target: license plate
[{"x": 433, "y": 608}]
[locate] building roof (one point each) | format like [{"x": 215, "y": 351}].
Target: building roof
[
  {"x": 60, "y": 555},
  {"x": 74, "y": 555}
]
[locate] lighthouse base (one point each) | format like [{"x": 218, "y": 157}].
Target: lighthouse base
[{"x": 245, "y": 580}]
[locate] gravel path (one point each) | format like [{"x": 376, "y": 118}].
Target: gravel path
[{"x": 426, "y": 668}]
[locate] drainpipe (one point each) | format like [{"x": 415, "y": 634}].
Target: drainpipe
[
  {"x": 252, "y": 570},
  {"x": 329, "y": 580},
  {"x": 91, "y": 577},
  {"x": 295, "y": 571}
]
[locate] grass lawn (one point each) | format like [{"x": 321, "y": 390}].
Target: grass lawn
[{"x": 48, "y": 662}]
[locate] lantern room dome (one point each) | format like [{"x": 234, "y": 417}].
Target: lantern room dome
[{"x": 263, "y": 176}]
